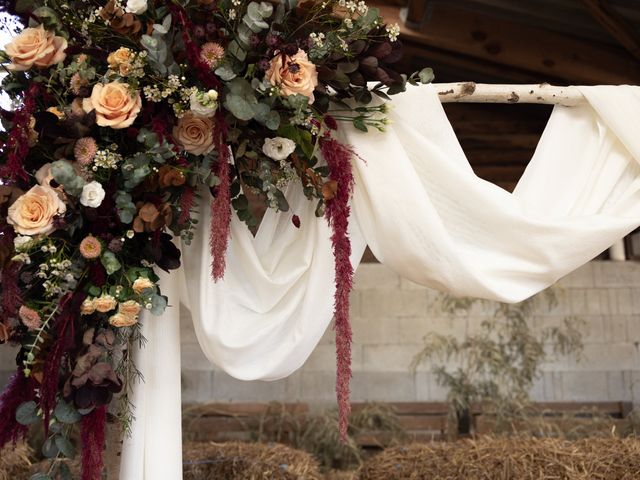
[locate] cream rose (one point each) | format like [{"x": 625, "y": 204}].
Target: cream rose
[
  {"x": 120, "y": 61},
  {"x": 194, "y": 133},
  {"x": 105, "y": 303},
  {"x": 37, "y": 47},
  {"x": 130, "y": 308},
  {"x": 294, "y": 75},
  {"x": 141, "y": 284},
  {"x": 119, "y": 320},
  {"x": 33, "y": 212},
  {"x": 88, "y": 306},
  {"x": 114, "y": 105}
]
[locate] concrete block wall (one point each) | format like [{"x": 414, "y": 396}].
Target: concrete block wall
[
  {"x": 390, "y": 318},
  {"x": 391, "y": 315}
]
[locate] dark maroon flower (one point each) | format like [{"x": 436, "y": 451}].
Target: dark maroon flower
[
  {"x": 272, "y": 40},
  {"x": 211, "y": 28},
  {"x": 264, "y": 64},
  {"x": 330, "y": 122},
  {"x": 115, "y": 245},
  {"x": 199, "y": 31},
  {"x": 296, "y": 221},
  {"x": 254, "y": 40}
]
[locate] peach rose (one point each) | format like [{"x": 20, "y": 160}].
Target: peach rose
[
  {"x": 294, "y": 75},
  {"x": 105, "y": 303},
  {"x": 130, "y": 308},
  {"x": 120, "y": 61},
  {"x": 88, "y": 306},
  {"x": 194, "y": 133},
  {"x": 119, "y": 320},
  {"x": 114, "y": 105},
  {"x": 33, "y": 212},
  {"x": 37, "y": 47},
  {"x": 141, "y": 284}
]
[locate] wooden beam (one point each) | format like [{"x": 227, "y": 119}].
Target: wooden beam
[
  {"x": 513, "y": 45},
  {"x": 615, "y": 25},
  {"x": 471, "y": 92}
]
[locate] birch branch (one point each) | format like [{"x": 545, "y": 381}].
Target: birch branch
[{"x": 470, "y": 92}]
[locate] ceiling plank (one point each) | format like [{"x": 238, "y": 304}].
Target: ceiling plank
[
  {"x": 513, "y": 45},
  {"x": 615, "y": 25}
]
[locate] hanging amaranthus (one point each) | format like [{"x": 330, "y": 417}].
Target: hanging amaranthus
[
  {"x": 92, "y": 435},
  {"x": 338, "y": 157},
  {"x": 221, "y": 204}
]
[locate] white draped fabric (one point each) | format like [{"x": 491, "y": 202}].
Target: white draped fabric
[{"x": 423, "y": 212}]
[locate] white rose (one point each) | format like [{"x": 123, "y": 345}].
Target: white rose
[
  {"x": 278, "y": 148},
  {"x": 92, "y": 195},
  {"x": 204, "y": 103},
  {"x": 21, "y": 241},
  {"x": 137, "y": 7}
]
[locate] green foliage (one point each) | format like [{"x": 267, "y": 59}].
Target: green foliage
[
  {"x": 64, "y": 173},
  {"x": 158, "y": 48},
  {"x": 497, "y": 365}
]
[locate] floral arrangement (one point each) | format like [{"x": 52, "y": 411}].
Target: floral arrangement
[{"x": 124, "y": 113}]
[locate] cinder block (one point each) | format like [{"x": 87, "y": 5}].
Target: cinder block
[
  {"x": 383, "y": 387},
  {"x": 193, "y": 358},
  {"x": 616, "y": 274},
  {"x": 319, "y": 387},
  {"x": 584, "y": 301},
  {"x": 606, "y": 357},
  {"x": 624, "y": 301},
  {"x": 584, "y": 386},
  {"x": 553, "y": 388},
  {"x": 229, "y": 389},
  {"x": 323, "y": 358},
  {"x": 393, "y": 303},
  {"x": 633, "y": 329},
  {"x": 375, "y": 276},
  {"x": 615, "y": 328},
  {"x": 197, "y": 386},
  {"x": 388, "y": 358},
  {"x": 583, "y": 277},
  {"x": 8, "y": 356},
  {"x": 619, "y": 386},
  {"x": 537, "y": 393},
  {"x": 355, "y": 303},
  {"x": 370, "y": 330},
  {"x": 428, "y": 389}
]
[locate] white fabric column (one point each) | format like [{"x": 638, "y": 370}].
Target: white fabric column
[{"x": 154, "y": 450}]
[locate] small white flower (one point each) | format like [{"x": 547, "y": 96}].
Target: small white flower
[
  {"x": 278, "y": 148},
  {"x": 393, "y": 31},
  {"x": 204, "y": 104},
  {"x": 232, "y": 14},
  {"x": 92, "y": 195},
  {"x": 137, "y": 7},
  {"x": 21, "y": 241}
]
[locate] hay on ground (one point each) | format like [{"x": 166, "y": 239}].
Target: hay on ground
[
  {"x": 15, "y": 462},
  {"x": 509, "y": 459},
  {"x": 247, "y": 461}
]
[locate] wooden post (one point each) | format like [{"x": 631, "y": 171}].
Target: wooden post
[
  {"x": 415, "y": 14},
  {"x": 113, "y": 450},
  {"x": 617, "y": 251}
]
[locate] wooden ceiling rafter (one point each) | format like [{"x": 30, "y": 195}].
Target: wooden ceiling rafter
[
  {"x": 513, "y": 45},
  {"x": 615, "y": 25}
]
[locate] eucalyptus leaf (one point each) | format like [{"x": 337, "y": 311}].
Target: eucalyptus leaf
[
  {"x": 65, "y": 446},
  {"x": 426, "y": 75},
  {"x": 225, "y": 73},
  {"x": 158, "y": 304},
  {"x": 239, "y": 107},
  {"x": 27, "y": 413},
  {"x": 110, "y": 262},
  {"x": 65, "y": 413},
  {"x": 40, "y": 476},
  {"x": 49, "y": 447}
]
